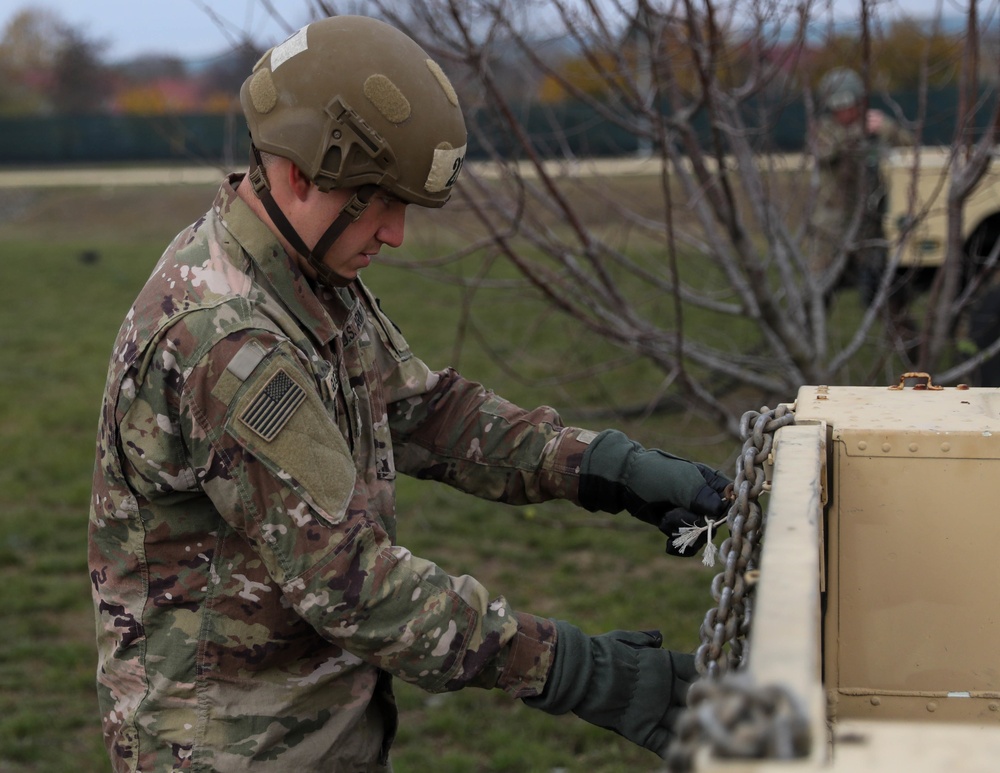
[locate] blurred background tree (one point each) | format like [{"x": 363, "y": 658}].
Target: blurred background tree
[{"x": 49, "y": 67}]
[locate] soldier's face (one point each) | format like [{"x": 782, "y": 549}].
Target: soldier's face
[
  {"x": 847, "y": 115},
  {"x": 382, "y": 223}
]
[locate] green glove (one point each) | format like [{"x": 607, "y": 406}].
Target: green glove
[
  {"x": 617, "y": 473},
  {"x": 621, "y": 681}
]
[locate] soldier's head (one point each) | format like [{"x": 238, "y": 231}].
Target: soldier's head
[
  {"x": 841, "y": 92},
  {"x": 360, "y": 111}
]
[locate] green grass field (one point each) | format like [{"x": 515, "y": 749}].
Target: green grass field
[{"x": 72, "y": 261}]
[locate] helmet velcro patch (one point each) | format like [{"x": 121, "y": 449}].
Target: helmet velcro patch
[
  {"x": 442, "y": 79},
  {"x": 263, "y": 94},
  {"x": 387, "y": 98},
  {"x": 273, "y": 405}
]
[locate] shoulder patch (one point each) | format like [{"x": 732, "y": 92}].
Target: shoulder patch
[{"x": 273, "y": 405}]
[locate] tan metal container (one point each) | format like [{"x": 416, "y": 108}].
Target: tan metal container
[
  {"x": 911, "y": 625},
  {"x": 877, "y": 604}
]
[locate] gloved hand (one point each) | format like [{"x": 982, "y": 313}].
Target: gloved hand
[
  {"x": 621, "y": 681},
  {"x": 617, "y": 473}
]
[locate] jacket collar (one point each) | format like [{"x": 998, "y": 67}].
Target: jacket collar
[{"x": 321, "y": 312}]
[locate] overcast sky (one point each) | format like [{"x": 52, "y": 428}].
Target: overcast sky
[
  {"x": 184, "y": 28},
  {"x": 179, "y": 27}
]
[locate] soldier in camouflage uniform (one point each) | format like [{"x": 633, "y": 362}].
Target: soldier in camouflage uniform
[
  {"x": 849, "y": 150},
  {"x": 252, "y": 603}
]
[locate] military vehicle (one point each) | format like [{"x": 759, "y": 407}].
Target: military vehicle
[
  {"x": 856, "y": 628},
  {"x": 917, "y": 183}
]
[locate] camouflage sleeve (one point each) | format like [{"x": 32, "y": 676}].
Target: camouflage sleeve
[
  {"x": 447, "y": 428},
  {"x": 462, "y": 434},
  {"x": 895, "y": 135},
  {"x": 280, "y": 473}
]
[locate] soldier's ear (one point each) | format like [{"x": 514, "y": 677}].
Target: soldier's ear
[{"x": 298, "y": 183}]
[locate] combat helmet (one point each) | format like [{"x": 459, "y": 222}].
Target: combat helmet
[
  {"x": 354, "y": 103},
  {"x": 840, "y": 89}
]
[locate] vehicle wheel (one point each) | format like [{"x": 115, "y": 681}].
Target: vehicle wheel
[
  {"x": 984, "y": 329},
  {"x": 978, "y": 248},
  {"x": 869, "y": 270}
]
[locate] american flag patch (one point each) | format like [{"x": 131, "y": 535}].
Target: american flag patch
[{"x": 273, "y": 406}]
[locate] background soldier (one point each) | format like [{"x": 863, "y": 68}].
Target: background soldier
[
  {"x": 252, "y": 602},
  {"x": 850, "y": 147}
]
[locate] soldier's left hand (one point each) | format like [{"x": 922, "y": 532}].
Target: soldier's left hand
[{"x": 622, "y": 681}]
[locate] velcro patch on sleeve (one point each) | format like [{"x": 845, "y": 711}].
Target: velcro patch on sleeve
[
  {"x": 246, "y": 359},
  {"x": 279, "y": 417},
  {"x": 273, "y": 405}
]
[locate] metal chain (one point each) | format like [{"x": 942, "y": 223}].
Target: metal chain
[
  {"x": 728, "y": 623},
  {"x": 736, "y": 718},
  {"x": 726, "y": 711}
]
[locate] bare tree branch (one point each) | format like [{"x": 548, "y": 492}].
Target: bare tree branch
[{"x": 707, "y": 272}]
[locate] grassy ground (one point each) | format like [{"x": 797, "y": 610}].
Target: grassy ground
[{"x": 72, "y": 260}]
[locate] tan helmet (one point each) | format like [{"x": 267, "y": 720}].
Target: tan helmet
[
  {"x": 840, "y": 89},
  {"x": 352, "y": 101}
]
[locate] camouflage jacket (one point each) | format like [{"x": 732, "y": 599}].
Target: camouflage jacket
[
  {"x": 251, "y": 600},
  {"x": 850, "y": 168}
]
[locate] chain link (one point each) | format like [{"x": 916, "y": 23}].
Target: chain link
[{"x": 725, "y": 710}]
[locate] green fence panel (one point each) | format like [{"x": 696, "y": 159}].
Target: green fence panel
[
  {"x": 777, "y": 123},
  {"x": 122, "y": 138}
]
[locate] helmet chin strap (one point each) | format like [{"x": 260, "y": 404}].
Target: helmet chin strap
[{"x": 349, "y": 213}]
